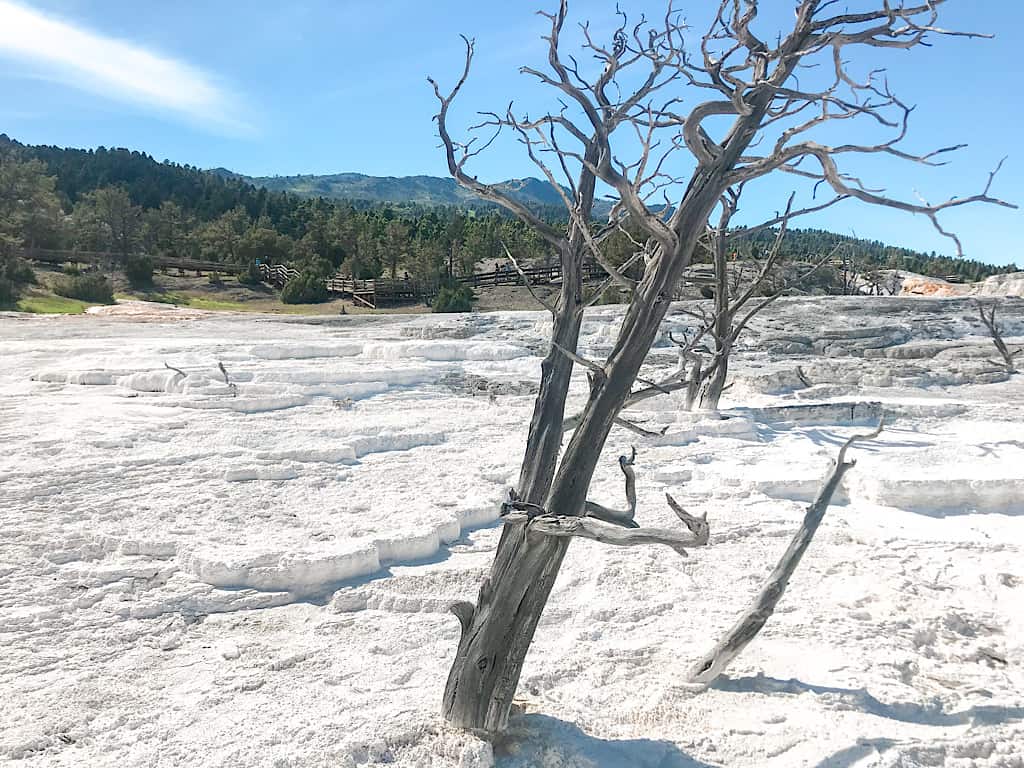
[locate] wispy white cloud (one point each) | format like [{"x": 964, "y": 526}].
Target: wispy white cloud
[{"x": 82, "y": 58}]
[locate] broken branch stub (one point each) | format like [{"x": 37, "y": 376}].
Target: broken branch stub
[
  {"x": 177, "y": 371},
  {"x": 611, "y": 526},
  {"x": 623, "y": 517},
  {"x": 232, "y": 387}
]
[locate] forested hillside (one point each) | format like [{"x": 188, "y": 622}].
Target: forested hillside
[
  {"x": 873, "y": 254},
  {"x": 125, "y": 201},
  {"x": 420, "y": 190}
]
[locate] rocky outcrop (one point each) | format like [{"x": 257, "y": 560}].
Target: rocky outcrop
[{"x": 1010, "y": 284}]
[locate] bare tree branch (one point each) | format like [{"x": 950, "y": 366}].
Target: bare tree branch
[
  {"x": 227, "y": 379},
  {"x": 754, "y": 618},
  {"x": 623, "y": 517},
  {"x": 526, "y": 281},
  {"x": 178, "y": 371},
  {"x": 607, "y": 533},
  {"x": 457, "y": 159}
]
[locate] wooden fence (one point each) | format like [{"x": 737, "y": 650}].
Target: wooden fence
[
  {"x": 368, "y": 293},
  {"x": 277, "y": 274},
  {"x": 51, "y": 256},
  {"x": 536, "y": 275}
]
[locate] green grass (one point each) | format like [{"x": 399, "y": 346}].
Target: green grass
[
  {"x": 40, "y": 302},
  {"x": 201, "y": 302},
  {"x": 263, "y": 304},
  {"x": 161, "y": 297},
  {"x": 52, "y": 305},
  {"x": 193, "y": 302},
  {"x": 258, "y": 305}
]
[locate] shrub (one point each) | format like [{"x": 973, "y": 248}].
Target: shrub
[
  {"x": 9, "y": 292},
  {"x": 18, "y": 271},
  {"x": 139, "y": 271},
  {"x": 251, "y": 276},
  {"x": 15, "y": 273},
  {"x": 15, "y": 269},
  {"x": 307, "y": 288},
  {"x": 94, "y": 288},
  {"x": 825, "y": 278},
  {"x": 454, "y": 299},
  {"x": 613, "y": 294}
]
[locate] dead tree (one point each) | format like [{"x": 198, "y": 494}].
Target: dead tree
[
  {"x": 638, "y": 84},
  {"x": 756, "y": 616},
  {"x": 995, "y": 330},
  {"x": 895, "y": 283},
  {"x": 497, "y": 677},
  {"x": 177, "y": 371},
  {"x": 876, "y": 282},
  {"x": 732, "y": 310},
  {"x": 849, "y": 270},
  {"x": 232, "y": 387}
]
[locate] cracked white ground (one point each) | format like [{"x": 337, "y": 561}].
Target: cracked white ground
[{"x": 189, "y": 578}]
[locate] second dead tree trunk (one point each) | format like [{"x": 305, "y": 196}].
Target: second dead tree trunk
[
  {"x": 995, "y": 330},
  {"x": 732, "y": 310}
]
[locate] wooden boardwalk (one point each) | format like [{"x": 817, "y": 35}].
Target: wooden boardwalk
[
  {"x": 368, "y": 293},
  {"x": 384, "y": 292},
  {"x": 592, "y": 271}
]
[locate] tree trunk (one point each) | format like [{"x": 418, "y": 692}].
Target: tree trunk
[
  {"x": 716, "y": 383},
  {"x": 494, "y": 639},
  {"x": 693, "y": 384},
  {"x": 722, "y": 331},
  {"x": 496, "y": 634},
  {"x": 639, "y": 328}
]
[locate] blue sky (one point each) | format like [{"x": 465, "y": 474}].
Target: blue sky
[{"x": 323, "y": 86}]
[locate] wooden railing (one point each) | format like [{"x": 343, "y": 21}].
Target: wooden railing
[
  {"x": 277, "y": 274},
  {"x": 372, "y": 293},
  {"x": 53, "y": 256},
  {"x": 536, "y": 275},
  {"x": 369, "y": 293}
]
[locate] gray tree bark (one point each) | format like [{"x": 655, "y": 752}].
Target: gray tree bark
[
  {"x": 497, "y": 634},
  {"x": 497, "y": 631},
  {"x": 752, "y": 621}
]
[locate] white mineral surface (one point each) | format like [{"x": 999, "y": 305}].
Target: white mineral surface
[{"x": 199, "y": 574}]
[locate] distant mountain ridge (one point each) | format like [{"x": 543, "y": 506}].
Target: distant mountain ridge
[{"x": 421, "y": 190}]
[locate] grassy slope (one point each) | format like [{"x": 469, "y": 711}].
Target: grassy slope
[
  {"x": 231, "y": 296},
  {"x": 46, "y": 303},
  {"x": 229, "y": 302},
  {"x": 192, "y": 292}
]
